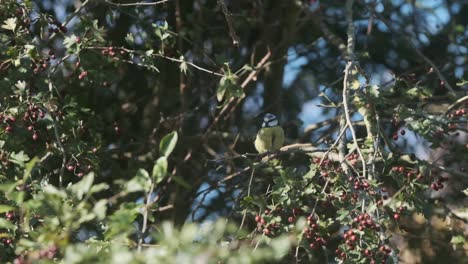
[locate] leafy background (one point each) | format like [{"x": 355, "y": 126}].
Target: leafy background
[{"x": 126, "y": 131}]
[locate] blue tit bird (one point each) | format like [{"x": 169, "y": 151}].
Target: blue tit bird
[{"x": 270, "y": 136}]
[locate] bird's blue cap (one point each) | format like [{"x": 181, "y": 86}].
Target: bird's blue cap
[{"x": 270, "y": 120}]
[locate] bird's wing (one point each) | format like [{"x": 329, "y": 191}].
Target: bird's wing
[{"x": 278, "y": 139}]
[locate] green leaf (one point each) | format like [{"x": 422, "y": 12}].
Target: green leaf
[
  {"x": 122, "y": 221},
  {"x": 130, "y": 39},
  {"x": 50, "y": 189},
  {"x": 181, "y": 182},
  {"x": 6, "y": 208},
  {"x": 138, "y": 183},
  {"x": 82, "y": 187},
  {"x": 457, "y": 241},
  {"x": 342, "y": 214},
  {"x": 281, "y": 246},
  {"x": 10, "y": 24},
  {"x": 159, "y": 170},
  {"x": 7, "y": 224},
  {"x": 100, "y": 209},
  {"x": 221, "y": 91},
  {"x": 99, "y": 187},
  {"x": 168, "y": 143},
  {"x": 29, "y": 166},
  {"x": 70, "y": 43},
  {"x": 8, "y": 187},
  {"x": 19, "y": 158}
]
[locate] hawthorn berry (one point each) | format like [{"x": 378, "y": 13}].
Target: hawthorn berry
[{"x": 257, "y": 218}]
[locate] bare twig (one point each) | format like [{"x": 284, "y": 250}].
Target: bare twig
[
  {"x": 234, "y": 102},
  {"x": 342, "y": 132},
  {"x": 349, "y": 67},
  {"x": 457, "y": 103},
  {"x": 232, "y": 32},
  {"x": 69, "y": 18},
  {"x": 137, "y": 3},
  {"x": 420, "y": 54},
  {"x": 145, "y": 215},
  {"x": 244, "y": 214},
  {"x": 160, "y": 56}
]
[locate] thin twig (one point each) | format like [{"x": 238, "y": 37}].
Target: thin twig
[
  {"x": 342, "y": 132},
  {"x": 137, "y": 3},
  {"x": 145, "y": 215},
  {"x": 160, "y": 56},
  {"x": 60, "y": 145},
  {"x": 234, "y": 102},
  {"x": 456, "y": 104},
  {"x": 244, "y": 214},
  {"x": 348, "y": 69},
  {"x": 420, "y": 54},
  {"x": 69, "y": 18},
  {"x": 232, "y": 32}
]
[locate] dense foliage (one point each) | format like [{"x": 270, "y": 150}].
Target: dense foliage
[{"x": 127, "y": 128}]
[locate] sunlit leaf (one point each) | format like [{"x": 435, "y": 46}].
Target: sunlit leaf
[{"x": 168, "y": 143}]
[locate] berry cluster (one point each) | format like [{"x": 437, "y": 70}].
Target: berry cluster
[
  {"x": 458, "y": 113},
  {"x": 112, "y": 51},
  {"x": 268, "y": 229},
  {"x": 8, "y": 121},
  {"x": 314, "y": 238},
  {"x": 43, "y": 63},
  {"x": 44, "y": 254},
  {"x": 10, "y": 216},
  {"x": 439, "y": 184},
  {"x": 56, "y": 27},
  {"x": 364, "y": 221},
  {"x": 77, "y": 168},
  {"x": 362, "y": 224},
  {"x": 30, "y": 118}
]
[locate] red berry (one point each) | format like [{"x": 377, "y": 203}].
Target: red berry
[
  {"x": 396, "y": 216},
  {"x": 70, "y": 168},
  {"x": 291, "y": 219},
  {"x": 35, "y": 136},
  {"x": 257, "y": 219}
]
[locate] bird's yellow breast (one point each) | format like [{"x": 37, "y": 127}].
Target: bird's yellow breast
[{"x": 269, "y": 138}]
